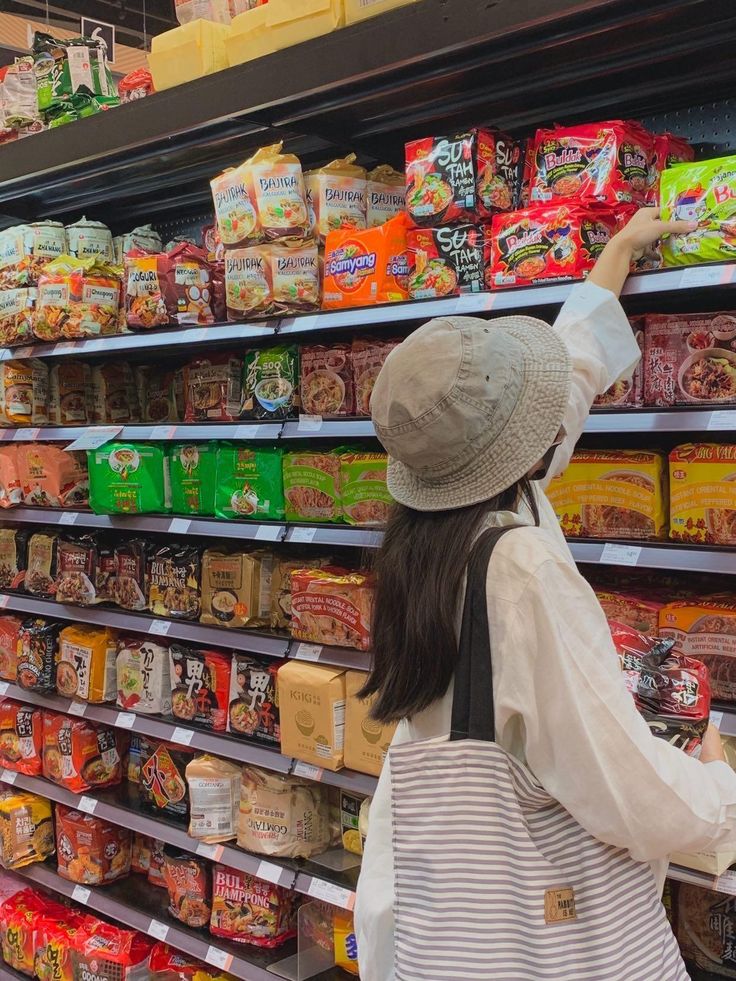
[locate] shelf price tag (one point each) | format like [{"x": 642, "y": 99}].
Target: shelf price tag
[
  {"x": 308, "y": 652},
  {"x": 95, "y": 437},
  {"x": 269, "y": 872},
  {"x": 726, "y": 882},
  {"x": 25, "y": 435},
  {"x": 179, "y": 526},
  {"x": 470, "y": 303},
  {"x": 3, "y": 687},
  {"x": 77, "y": 708},
  {"x": 160, "y": 627},
  {"x": 4, "y": 600},
  {"x": 219, "y": 958},
  {"x": 81, "y": 895},
  {"x": 246, "y": 432},
  {"x": 309, "y": 424},
  {"x": 87, "y": 804},
  {"x": 125, "y": 720},
  {"x": 305, "y": 535},
  {"x": 68, "y": 517},
  {"x": 695, "y": 276},
  {"x": 308, "y": 771},
  {"x": 615, "y": 554},
  {"x": 269, "y": 533},
  {"x": 330, "y": 893},
  {"x": 213, "y": 852},
  {"x": 722, "y": 419},
  {"x": 163, "y": 432},
  {"x": 182, "y": 737},
  {"x": 158, "y": 930},
  {"x": 8, "y": 776}
]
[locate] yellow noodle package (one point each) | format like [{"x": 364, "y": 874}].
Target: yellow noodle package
[
  {"x": 366, "y": 741},
  {"x": 703, "y": 493},
  {"x": 312, "y": 705},
  {"x": 26, "y": 830},
  {"x": 336, "y": 197},
  {"x": 86, "y": 665},
  {"x": 612, "y": 494}
]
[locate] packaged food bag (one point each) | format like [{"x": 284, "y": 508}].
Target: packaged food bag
[
  {"x": 163, "y": 785},
  {"x": 704, "y": 192},
  {"x": 706, "y": 628},
  {"x": 248, "y": 910},
  {"x": 705, "y": 922},
  {"x": 17, "y": 316},
  {"x": 249, "y": 482},
  {"x": 129, "y": 574},
  {"x": 109, "y": 951},
  {"x": 332, "y": 607},
  {"x": 639, "y": 612},
  {"x": 446, "y": 261},
  {"x": 89, "y": 850},
  {"x": 80, "y": 755},
  {"x": 143, "y": 676},
  {"x": 41, "y": 574},
  {"x": 214, "y": 798},
  {"x": 129, "y": 478},
  {"x": 690, "y": 358},
  {"x": 385, "y": 195},
  {"x": 354, "y": 809},
  {"x": 24, "y": 393},
  {"x": 26, "y": 829},
  {"x": 114, "y": 396},
  {"x": 366, "y": 741},
  {"x": 90, "y": 239},
  {"x": 669, "y": 150},
  {"x": 26, "y": 249},
  {"x": 70, "y": 393},
  {"x": 278, "y": 193},
  {"x": 11, "y": 488},
  {"x": 703, "y": 493},
  {"x": 156, "y": 389},
  {"x": 52, "y": 477},
  {"x": 368, "y": 356},
  {"x": 364, "y": 495},
  {"x": 150, "y": 289},
  {"x": 192, "y": 285},
  {"x": 326, "y": 379},
  {"x": 336, "y": 197},
  {"x": 21, "y": 737},
  {"x": 77, "y": 560},
  {"x": 281, "y": 585},
  {"x": 627, "y": 393},
  {"x": 236, "y": 588},
  {"x": 248, "y": 282},
  {"x": 200, "y": 686},
  {"x": 235, "y": 209},
  {"x": 189, "y": 882},
  {"x": 368, "y": 267},
  {"x": 174, "y": 582},
  {"x": 345, "y": 942},
  {"x": 193, "y": 469},
  {"x": 612, "y": 494},
  {"x": 312, "y": 486},
  {"x": 77, "y": 298},
  {"x": 85, "y": 667},
  {"x": 63, "y": 67},
  {"x": 212, "y": 389},
  {"x": 19, "y": 916},
  {"x": 253, "y": 711},
  {"x": 295, "y": 277},
  {"x": 270, "y": 383},
  {"x": 38, "y": 647},
  {"x": 282, "y": 816},
  {"x": 312, "y": 702},
  {"x": 9, "y": 639}
]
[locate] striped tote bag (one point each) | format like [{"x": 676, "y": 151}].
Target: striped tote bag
[{"x": 493, "y": 878}]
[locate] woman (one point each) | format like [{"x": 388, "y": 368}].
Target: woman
[{"x": 477, "y": 417}]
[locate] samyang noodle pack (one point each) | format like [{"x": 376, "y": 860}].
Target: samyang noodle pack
[{"x": 445, "y": 261}]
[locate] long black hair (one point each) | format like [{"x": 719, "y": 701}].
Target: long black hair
[{"x": 420, "y": 570}]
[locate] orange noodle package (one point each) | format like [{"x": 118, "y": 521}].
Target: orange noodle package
[
  {"x": 79, "y": 755},
  {"x": 19, "y": 917},
  {"x": 150, "y": 291},
  {"x": 250, "y": 911},
  {"x": 103, "y": 951},
  {"x": 88, "y": 850},
  {"x": 332, "y": 606},
  {"x": 11, "y": 491},
  {"x": 366, "y": 267},
  {"x": 77, "y": 298},
  {"x": 21, "y": 737},
  {"x": 9, "y": 638},
  {"x": 51, "y": 477},
  {"x": 188, "y": 880},
  {"x": 55, "y": 939}
]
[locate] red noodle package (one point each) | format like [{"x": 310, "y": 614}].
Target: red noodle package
[
  {"x": 21, "y": 737},
  {"x": 192, "y": 281},
  {"x": 250, "y": 911},
  {"x": 368, "y": 356},
  {"x": 326, "y": 381},
  {"x": 81, "y": 756},
  {"x": 106, "y": 951}
]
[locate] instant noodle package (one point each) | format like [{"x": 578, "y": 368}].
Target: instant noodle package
[
  {"x": 368, "y": 356},
  {"x": 612, "y": 494},
  {"x": 703, "y": 493},
  {"x": 193, "y": 473},
  {"x": 270, "y": 383},
  {"x": 332, "y": 606},
  {"x": 128, "y": 585},
  {"x": 25, "y": 250},
  {"x": 706, "y": 629},
  {"x": 77, "y": 298},
  {"x": 326, "y": 380},
  {"x": 110, "y": 953},
  {"x": 366, "y": 741},
  {"x": 70, "y": 393},
  {"x": 354, "y": 814},
  {"x": 88, "y": 850},
  {"x": 312, "y": 486},
  {"x": 249, "y": 482},
  {"x": 9, "y": 638},
  {"x": 11, "y": 489},
  {"x": 129, "y": 478},
  {"x": 13, "y": 560},
  {"x": 236, "y": 588},
  {"x": 212, "y": 389},
  {"x": 312, "y": 703},
  {"x": 21, "y": 737},
  {"x": 200, "y": 683},
  {"x": 163, "y": 784},
  {"x": 51, "y": 476},
  {"x": 362, "y": 268},
  {"x": 85, "y": 667},
  {"x": 114, "y": 395},
  {"x": 76, "y": 570},
  {"x": 704, "y": 192},
  {"x": 446, "y": 261},
  {"x": 336, "y": 197},
  {"x": 143, "y": 676},
  {"x": 363, "y": 492},
  {"x": 627, "y": 393},
  {"x": 150, "y": 294},
  {"x": 385, "y": 195},
  {"x": 156, "y": 389},
  {"x": 41, "y": 571},
  {"x": 689, "y": 358},
  {"x": 253, "y": 712},
  {"x": 214, "y": 798},
  {"x": 282, "y": 816},
  {"x": 79, "y": 755},
  {"x": 636, "y": 611},
  {"x": 189, "y": 883},
  {"x": 23, "y": 393},
  {"x": 17, "y": 314},
  {"x": 26, "y": 829},
  {"x": 173, "y": 577},
  {"x": 37, "y": 655},
  {"x": 248, "y": 910}
]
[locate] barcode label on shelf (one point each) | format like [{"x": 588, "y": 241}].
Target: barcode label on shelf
[
  {"x": 213, "y": 852},
  {"x": 219, "y": 958},
  {"x": 77, "y": 708},
  {"x": 246, "y": 432},
  {"x": 705, "y": 276},
  {"x": 328, "y": 892},
  {"x": 269, "y": 872},
  {"x": 308, "y": 652},
  {"x": 182, "y": 737},
  {"x": 95, "y": 437},
  {"x": 87, "y": 804},
  {"x": 716, "y": 718},
  {"x": 8, "y": 776},
  {"x": 722, "y": 419},
  {"x": 68, "y": 518},
  {"x": 25, "y": 435},
  {"x": 306, "y": 323},
  {"x": 3, "y": 687},
  {"x": 159, "y": 627},
  {"x": 308, "y": 771},
  {"x": 125, "y": 720},
  {"x": 195, "y": 336},
  {"x": 302, "y": 535},
  {"x": 309, "y": 424},
  {"x": 269, "y": 533},
  {"x": 163, "y": 432},
  {"x": 179, "y": 526},
  {"x": 81, "y": 895},
  {"x": 158, "y": 930},
  {"x": 614, "y": 554}
]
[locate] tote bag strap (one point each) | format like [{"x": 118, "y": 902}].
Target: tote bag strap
[{"x": 473, "y": 715}]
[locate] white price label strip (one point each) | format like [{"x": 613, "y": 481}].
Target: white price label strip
[
  {"x": 620, "y": 554},
  {"x": 309, "y": 424},
  {"x": 716, "y": 718},
  {"x": 81, "y": 895},
  {"x": 95, "y": 437},
  {"x": 8, "y": 776},
  {"x": 473, "y": 303},
  {"x": 4, "y": 600},
  {"x": 77, "y": 708},
  {"x": 722, "y": 419},
  {"x": 179, "y": 526},
  {"x": 305, "y": 535},
  {"x": 308, "y": 771},
  {"x": 26, "y": 435},
  {"x": 3, "y": 687},
  {"x": 213, "y": 852},
  {"x": 159, "y": 627},
  {"x": 246, "y": 432},
  {"x": 705, "y": 276},
  {"x": 182, "y": 737},
  {"x": 308, "y": 652},
  {"x": 220, "y": 958},
  {"x": 125, "y": 720},
  {"x": 269, "y": 872},
  {"x": 269, "y": 533},
  {"x": 158, "y": 930},
  {"x": 163, "y": 432},
  {"x": 330, "y": 893},
  {"x": 87, "y": 804},
  {"x": 68, "y": 518}
]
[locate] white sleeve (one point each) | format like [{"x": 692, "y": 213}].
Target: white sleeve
[
  {"x": 587, "y": 744},
  {"x": 598, "y": 335}
]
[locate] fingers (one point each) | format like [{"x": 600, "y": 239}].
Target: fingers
[{"x": 678, "y": 227}]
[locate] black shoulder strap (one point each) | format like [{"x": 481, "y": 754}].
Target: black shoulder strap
[{"x": 473, "y": 715}]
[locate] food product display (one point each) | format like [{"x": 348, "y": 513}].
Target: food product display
[
  {"x": 143, "y": 676},
  {"x": 81, "y": 755},
  {"x": 200, "y": 686},
  {"x": 26, "y": 829},
  {"x": 702, "y": 500},
  {"x": 90, "y": 851},
  {"x": 163, "y": 782},
  {"x": 282, "y": 816},
  {"x": 312, "y": 703},
  {"x": 247, "y": 910},
  {"x": 21, "y": 737},
  {"x": 332, "y": 606},
  {"x": 188, "y": 880},
  {"x": 312, "y": 486},
  {"x": 368, "y": 267},
  {"x": 702, "y": 192},
  {"x": 270, "y": 383},
  {"x": 128, "y": 478},
  {"x": 193, "y": 475},
  {"x": 249, "y": 482},
  {"x": 236, "y": 588},
  {"x": 689, "y": 358},
  {"x": 253, "y": 711}
]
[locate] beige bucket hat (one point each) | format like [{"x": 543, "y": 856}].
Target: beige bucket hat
[{"x": 465, "y": 407}]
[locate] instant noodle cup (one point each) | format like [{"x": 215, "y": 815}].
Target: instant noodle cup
[
  {"x": 41, "y": 574},
  {"x": 77, "y": 298},
  {"x": 38, "y": 645},
  {"x": 17, "y": 316},
  {"x": 129, "y": 478},
  {"x": 236, "y": 588},
  {"x": 612, "y": 494},
  {"x": 200, "y": 686},
  {"x": 249, "y": 482},
  {"x": 365, "y": 498},
  {"x": 248, "y": 282},
  {"x": 542, "y": 243},
  {"x": 248, "y": 910},
  {"x": 70, "y": 393},
  {"x": 79, "y": 755},
  {"x": 366, "y": 741},
  {"x": 385, "y": 195},
  {"x": 105, "y": 951},
  {"x": 446, "y": 261},
  {"x": 282, "y": 816},
  {"x": 346, "y": 943},
  {"x": 26, "y": 829},
  {"x": 85, "y": 667},
  {"x": 212, "y": 389},
  {"x": 368, "y": 267},
  {"x": 368, "y": 356},
  {"x": 150, "y": 290},
  {"x": 77, "y": 571},
  {"x": 295, "y": 277},
  {"x": 312, "y": 702},
  {"x": 114, "y": 395},
  {"x": 214, "y": 798},
  {"x": 690, "y": 358},
  {"x": 703, "y": 493},
  {"x": 235, "y": 211},
  {"x": 326, "y": 380},
  {"x": 9, "y": 640},
  {"x": 704, "y": 192},
  {"x": 627, "y": 393},
  {"x": 21, "y": 737},
  {"x": 608, "y": 161},
  {"x": 278, "y": 193},
  {"x": 193, "y": 471},
  {"x": 270, "y": 383},
  {"x": 52, "y": 477},
  {"x": 253, "y": 712},
  {"x": 312, "y": 486},
  {"x": 143, "y": 676},
  {"x": 189, "y": 883},
  {"x": 88, "y": 850},
  {"x": 24, "y": 393},
  {"x": 11, "y": 489},
  {"x": 336, "y": 197},
  {"x": 174, "y": 576}
]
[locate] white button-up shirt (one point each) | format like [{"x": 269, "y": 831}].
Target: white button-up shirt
[{"x": 560, "y": 700}]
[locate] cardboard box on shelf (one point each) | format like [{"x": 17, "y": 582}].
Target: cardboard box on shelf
[
  {"x": 250, "y": 37},
  {"x": 293, "y": 21},
  {"x": 188, "y": 52}
]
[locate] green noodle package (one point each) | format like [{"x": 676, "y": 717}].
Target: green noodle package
[
  {"x": 363, "y": 492},
  {"x": 270, "y": 383},
  {"x": 128, "y": 478},
  {"x": 249, "y": 483},
  {"x": 193, "y": 477},
  {"x": 704, "y": 192},
  {"x": 312, "y": 486}
]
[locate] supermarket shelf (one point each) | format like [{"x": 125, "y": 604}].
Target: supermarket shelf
[
  {"x": 8, "y": 974},
  {"x": 721, "y": 883},
  {"x": 135, "y": 904},
  {"x": 196, "y": 633},
  {"x": 315, "y": 427},
  {"x": 678, "y": 558},
  {"x": 333, "y": 535},
  {"x": 338, "y": 657},
  {"x": 683, "y": 420},
  {"x": 162, "y": 433}
]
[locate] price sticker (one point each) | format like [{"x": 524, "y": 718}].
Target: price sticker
[
  {"x": 77, "y": 708},
  {"x": 8, "y": 776},
  {"x": 269, "y": 872},
  {"x": 726, "y": 882},
  {"x": 4, "y": 601},
  {"x": 695, "y": 276},
  {"x": 305, "y": 323},
  {"x": 197, "y": 335},
  {"x": 213, "y": 852},
  {"x": 269, "y": 533},
  {"x": 87, "y": 804},
  {"x": 309, "y": 424},
  {"x": 182, "y": 737},
  {"x": 614, "y": 554},
  {"x": 163, "y": 432},
  {"x": 158, "y": 930},
  {"x": 308, "y": 771},
  {"x": 305, "y": 535},
  {"x": 81, "y": 895},
  {"x": 26, "y": 435},
  {"x": 470, "y": 303},
  {"x": 308, "y": 652},
  {"x": 6, "y": 353},
  {"x": 3, "y": 687},
  {"x": 160, "y": 627},
  {"x": 219, "y": 958},
  {"x": 68, "y": 517},
  {"x": 246, "y": 432},
  {"x": 716, "y": 718},
  {"x": 179, "y": 526},
  {"x": 328, "y": 892},
  {"x": 722, "y": 419},
  {"x": 125, "y": 720},
  {"x": 94, "y": 437}
]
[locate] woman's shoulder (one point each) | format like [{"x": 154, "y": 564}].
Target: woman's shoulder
[{"x": 523, "y": 556}]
